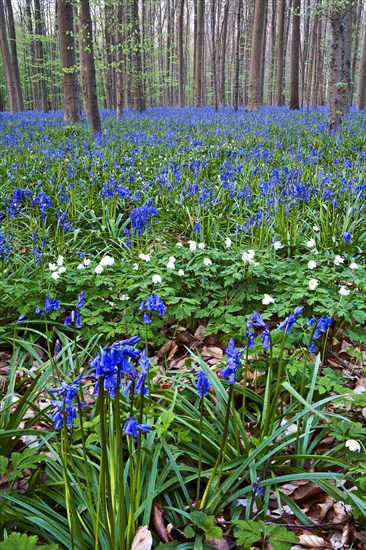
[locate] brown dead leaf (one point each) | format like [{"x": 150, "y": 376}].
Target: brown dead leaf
[
  {"x": 200, "y": 332},
  {"x": 319, "y": 510},
  {"x": 361, "y": 382},
  {"x": 168, "y": 349},
  {"x": 142, "y": 539},
  {"x": 340, "y": 513},
  {"x": 307, "y": 491},
  {"x": 313, "y": 541},
  {"x": 340, "y": 539},
  {"x": 158, "y": 521}
]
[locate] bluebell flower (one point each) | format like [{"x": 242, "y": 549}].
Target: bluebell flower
[
  {"x": 202, "y": 383},
  {"x": 142, "y": 374},
  {"x": 233, "y": 362},
  {"x": 68, "y": 391},
  {"x": 21, "y": 318},
  {"x": 142, "y": 217},
  {"x": 256, "y": 321},
  {"x": 287, "y": 324},
  {"x": 197, "y": 229},
  {"x": 152, "y": 303},
  {"x": 321, "y": 327},
  {"x": 114, "y": 364},
  {"x": 132, "y": 427},
  {"x": 66, "y": 409},
  {"x": 346, "y": 236},
  {"x": 257, "y": 489},
  {"x": 74, "y": 319},
  {"x": 49, "y": 305}
]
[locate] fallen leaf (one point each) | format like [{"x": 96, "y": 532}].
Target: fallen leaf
[
  {"x": 220, "y": 544},
  {"x": 313, "y": 541},
  {"x": 142, "y": 539},
  {"x": 158, "y": 521}
]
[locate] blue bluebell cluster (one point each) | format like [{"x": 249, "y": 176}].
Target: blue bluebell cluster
[
  {"x": 142, "y": 217},
  {"x": 5, "y": 245},
  {"x": 133, "y": 427},
  {"x": 74, "y": 318},
  {"x": 233, "y": 361},
  {"x": 287, "y": 324},
  {"x": 253, "y": 322},
  {"x": 115, "y": 366},
  {"x": 65, "y": 410},
  {"x": 152, "y": 303},
  {"x": 50, "y": 304},
  {"x": 203, "y": 383},
  {"x": 321, "y": 326}
]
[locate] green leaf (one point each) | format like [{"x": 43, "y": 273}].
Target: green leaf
[
  {"x": 4, "y": 461},
  {"x": 249, "y": 532},
  {"x": 280, "y": 538},
  {"x": 189, "y": 532},
  {"x": 18, "y": 541}
]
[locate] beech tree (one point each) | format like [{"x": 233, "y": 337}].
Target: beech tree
[
  {"x": 71, "y": 94},
  {"x": 88, "y": 68}
]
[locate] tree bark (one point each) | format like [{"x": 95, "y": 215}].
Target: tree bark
[
  {"x": 119, "y": 57},
  {"x": 295, "y": 56},
  {"x": 361, "y": 90},
  {"x": 181, "y": 99},
  {"x": 198, "y": 69},
  {"x": 11, "y": 85},
  {"x": 14, "y": 53},
  {"x": 237, "y": 56},
  {"x": 254, "y": 91},
  {"x": 222, "y": 54},
  {"x": 39, "y": 56},
  {"x": 72, "y": 110},
  {"x": 88, "y": 70}
]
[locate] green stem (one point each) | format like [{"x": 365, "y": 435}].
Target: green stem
[{"x": 221, "y": 455}]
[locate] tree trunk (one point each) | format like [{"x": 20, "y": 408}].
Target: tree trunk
[
  {"x": 346, "y": 62},
  {"x": 295, "y": 56},
  {"x": 39, "y": 56},
  {"x": 181, "y": 99},
  {"x": 361, "y": 90},
  {"x": 119, "y": 57},
  {"x": 213, "y": 55},
  {"x": 14, "y": 53},
  {"x": 33, "y": 69},
  {"x": 237, "y": 56},
  {"x": 222, "y": 59},
  {"x": 334, "y": 98},
  {"x": 88, "y": 73},
  {"x": 11, "y": 86},
  {"x": 254, "y": 91},
  {"x": 72, "y": 111},
  {"x": 198, "y": 69},
  {"x": 110, "y": 45}
]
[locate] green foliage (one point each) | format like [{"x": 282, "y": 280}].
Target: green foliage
[
  {"x": 250, "y": 532},
  {"x": 203, "y": 524},
  {"x": 18, "y": 541}
]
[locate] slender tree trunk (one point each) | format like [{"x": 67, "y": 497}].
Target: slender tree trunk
[
  {"x": 87, "y": 51},
  {"x": 72, "y": 111},
  {"x": 312, "y": 60},
  {"x": 119, "y": 57},
  {"x": 198, "y": 70},
  {"x": 39, "y": 55},
  {"x": 140, "y": 103},
  {"x": 33, "y": 70},
  {"x": 222, "y": 59},
  {"x": 213, "y": 55},
  {"x": 335, "y": 70},
  {"x": 295, "y": 56},
  {"x": 254, "y": 91},
  {"x": 14, "y": 53},
  {"x": 237, "y": 55},
  {"x": 346, "y": 62},
  {"x": 361, "y": 90},
  {"x": 263, "y": 49},
  {"x": 181, "y": 99},
  {"x": 110, "y": 73},
  {"x": 11, "y": 85}
]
